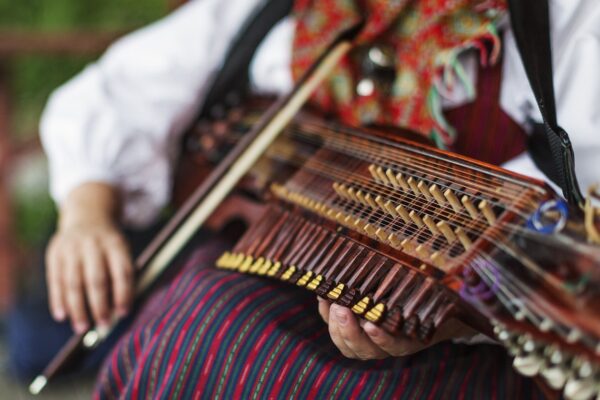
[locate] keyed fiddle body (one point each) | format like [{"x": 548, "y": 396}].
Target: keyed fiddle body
[{"x": 408, "y": 236}]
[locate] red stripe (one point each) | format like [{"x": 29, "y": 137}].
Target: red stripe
[
  {"x": 197, "y": 308},
  {"x": 157, "y": 361},
  {"x": 440, "y": 375},
  {"x": 238, "y": 309},
  {"x": 467, "y": 378},
  {"x": 271, "y": 329},
  {"x": 359, "y": 387}
]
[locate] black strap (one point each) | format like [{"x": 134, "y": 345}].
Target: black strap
[
  {"x": 531, "y": 26},
  {"x": 232, "y": 79}
]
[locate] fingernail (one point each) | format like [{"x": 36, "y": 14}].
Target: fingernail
[
  {"x": 122, "y": 312},
  {"x": 341, "y": 316},
  {"x": 59, "y": 315},
  {"x": 371, "y": 329},
  {"x": 80, "y": 327}
]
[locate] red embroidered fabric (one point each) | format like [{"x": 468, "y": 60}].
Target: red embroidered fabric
[
  {"x": 484, "y": 131},
  {"x": 426, "y": 37}
]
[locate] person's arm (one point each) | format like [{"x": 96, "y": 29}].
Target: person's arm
[
  {"x": 87, "y": 260},
  {"x": 110, "y": 135}
]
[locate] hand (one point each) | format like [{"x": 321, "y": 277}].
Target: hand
[
  {"x": 88, "y": 264},
  {"x": 366, "y": 341}
]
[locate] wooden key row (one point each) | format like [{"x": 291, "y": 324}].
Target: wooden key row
[{"x": 285, "y": 246}]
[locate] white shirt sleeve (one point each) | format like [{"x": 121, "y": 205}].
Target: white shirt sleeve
[
  {"x": 575, "y": 36},
  {"x": 119, "y": 121}
]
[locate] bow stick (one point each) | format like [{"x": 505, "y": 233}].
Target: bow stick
[{"x": 206, "y": 198}]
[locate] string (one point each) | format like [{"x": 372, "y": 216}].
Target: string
[
  {"x": 416, "y": 201},
  {"x": 378, "y": 151},
  {"x": 467, "y": 183},
  {"x": 384, "y": 220},
  {"x": 424, "y": 232},
  {"x": 389, "y": 193},
  {"x": 410, "y": 197},
  {"x": 323, "y": 168},
  {"x": 476, "y": 224},
  {"x": 531, "y": 202},
  {"x": 397, "y": 150},
  {"x": 319, "y": 130},
  {"x": 304, "y": 135},
  {"x": 530, "y": 308}
]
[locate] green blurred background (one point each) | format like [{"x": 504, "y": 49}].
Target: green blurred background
[
  {"x": 30, "y": 70},
  {"x": 33, "y": 77}
]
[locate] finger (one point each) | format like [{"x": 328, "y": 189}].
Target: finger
[
  {"x": 96, "y": 283},
  {"x": 121, "y": 274},
  {"x": 354, "y": 336},
  {"x": 338, "y": 340},
  {"x": 74, "y": 295},
  {"x": 394, "y": 346},
  {"x": 324, "y": 309},
  {"x": 55, "y": 299}
]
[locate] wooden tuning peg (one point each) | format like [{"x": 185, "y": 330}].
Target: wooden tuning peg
[
  {"x": 402, "y": 182},
  {"x": 430, "y": 223},
  {"x": 416, "y": 218},
  {"x": 392, "y": 178},
  {"x": 453, "y": 200},
  {"x": 446, "y": 231},
  {"x": 422, "y": 186},
  {"x": 382, "y": 176},
  {"x": 486, "y": 210},
  {"x": 437, "y": 195},
  {"x": 466, "y": 202},
  {"x": 413, "y": 185}
]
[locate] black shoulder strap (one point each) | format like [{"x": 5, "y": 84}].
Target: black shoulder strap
[
  {"x": 531, "y": 26},
  {"x": 232, "y": 79}
]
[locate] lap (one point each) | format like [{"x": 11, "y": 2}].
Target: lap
[{"x": 217, "y": 334}]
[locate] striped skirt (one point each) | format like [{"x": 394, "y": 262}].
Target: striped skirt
[{"x": 215, "y": 334}]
